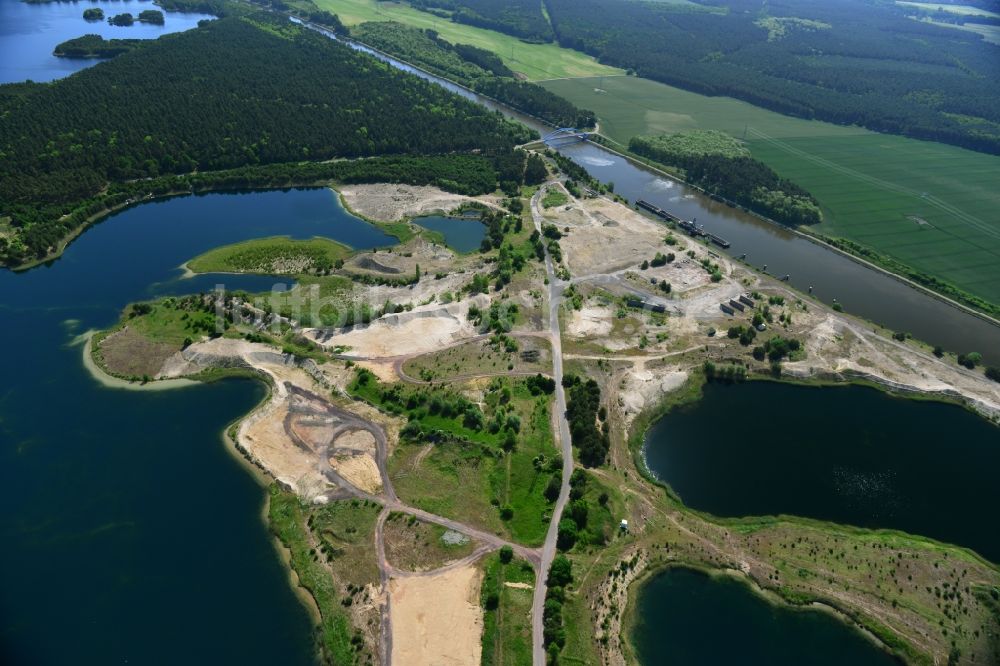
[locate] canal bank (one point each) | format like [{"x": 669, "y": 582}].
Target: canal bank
[{"x": 825, "y": 272}]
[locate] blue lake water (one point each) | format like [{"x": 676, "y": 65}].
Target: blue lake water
[
  {"x": 29, "y": 33},
  {"x": 130, "y": 534},
  {"x": 460, "y": 235}
]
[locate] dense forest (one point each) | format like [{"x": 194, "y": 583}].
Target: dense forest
[
  {"x": 95, "y": 46},
  {"x": 236, "y": 91},
  {"x": 521, "y": 18},
  {"x": 720, "y": 165},
  {"x": 850, "y": 62},
  {"x": 476, "y": 68}
]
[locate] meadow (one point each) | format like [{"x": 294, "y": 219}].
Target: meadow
[
  {"x": 535, "y": 61},
  {"x": 931, "y": 206}
]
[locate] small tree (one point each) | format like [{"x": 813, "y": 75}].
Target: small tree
[{"x": 506, "y": 554}]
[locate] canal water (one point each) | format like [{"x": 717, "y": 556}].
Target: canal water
[
  {"x": 30, "y": 32},
  {"x": 686, "y": 618},
  {"x": 460, "y": 235},
  {"x": 861, "y": 290},
  {"x": 130, "y": 534},
  {"x": 847, "y": 454}
]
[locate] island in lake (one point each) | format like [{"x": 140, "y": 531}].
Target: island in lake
[
  {"x": 95, "y": 46},
  {"x": 150, "y": 16}
]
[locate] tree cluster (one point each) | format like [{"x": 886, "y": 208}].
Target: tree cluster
[
  {"x": 743, "y": 180},
  {"x": 582, "y": 407},
  {"x": 520, "y": 18}
]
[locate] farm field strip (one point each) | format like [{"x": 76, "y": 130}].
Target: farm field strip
[{"x": 536, "y": 61}]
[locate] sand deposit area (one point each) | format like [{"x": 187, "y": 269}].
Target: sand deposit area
[{"x": 437, "y": 620}]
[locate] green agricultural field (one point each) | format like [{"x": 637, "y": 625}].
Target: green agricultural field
[
  {"x": 536, "y": 61},
  {"x": 931, "y": 206}
]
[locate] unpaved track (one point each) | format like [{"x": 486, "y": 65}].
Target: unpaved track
[{"x": 549, "y": 547}]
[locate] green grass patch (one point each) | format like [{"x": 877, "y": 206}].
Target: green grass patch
[
  {"x": 554, "y": 197},
  {"x": 536, "y": 61},
  {"x": 927, "y": 205},
  {"x": 171, "y": 320},
  {"x": 343, "y": 531},
  {"x": 277, "y": 255},
  {"x": 487, "y": 464},
  {"x": 507, "y": 616}
]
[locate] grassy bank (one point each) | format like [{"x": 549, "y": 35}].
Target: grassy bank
[
  {"x": 926, "y": 205},
  {"x": 332, "y": 553}
]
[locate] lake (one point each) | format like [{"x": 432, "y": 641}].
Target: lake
[
  {"x": 689, "y": 618},
  {"x": 847, "y": 454},
  {"x": 29, "y": 33},
  {"x": 460, "y": 235},
  {"x": 130, "y": 533}
]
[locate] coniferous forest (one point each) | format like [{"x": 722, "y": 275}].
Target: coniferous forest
[{"x": 247, "y": 90}]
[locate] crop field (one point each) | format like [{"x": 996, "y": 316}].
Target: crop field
[
  {"x": 932, "y": 206},
  {"x": 536, "y": 61}
]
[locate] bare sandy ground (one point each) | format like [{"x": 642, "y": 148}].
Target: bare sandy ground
[
  {"x": 605, "y": 237},
  {"x": 359, "y": 470},
  {"x": 387, "y": 202},
  {"x": 437, "y": 620},
  {"x": 424, "y": 329},
  {"x": 262, "y": 436},
  {"x": 590, "y": 321}
]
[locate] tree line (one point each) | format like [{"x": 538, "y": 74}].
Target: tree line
[
  {"x": 248, "y": 90},
  {"x": 520, "y": 18},
  {"x": 473, "y": 67},
  {"x": 741, "y": 179}
]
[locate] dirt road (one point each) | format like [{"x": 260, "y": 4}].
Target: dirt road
[{"x": 556, "y": 287}]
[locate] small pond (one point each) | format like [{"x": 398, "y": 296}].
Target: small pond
[
  {"x": 460, "y": 234},
  {"x": 688, "y": 618}
]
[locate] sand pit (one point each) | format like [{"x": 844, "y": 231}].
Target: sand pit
[
  {"x": 590, "y": 321},
  {"x": 388, "y": 202},
  {"x": 607, "y": 237},
  {"x": 422, "y": 330},
  {"x": 359, "y": 470},
  {"x": 437, "y": 620},
  {"x": 265, "y": 442},
  {"x": 357, "y": 441}
]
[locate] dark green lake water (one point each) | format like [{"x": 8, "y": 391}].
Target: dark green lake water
[
  {"x": 129, "y": 533},
  {"x": 688, "y": 618},
  {"x": 849, "y": 454},
  {"x": 459, "y": 235}
]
